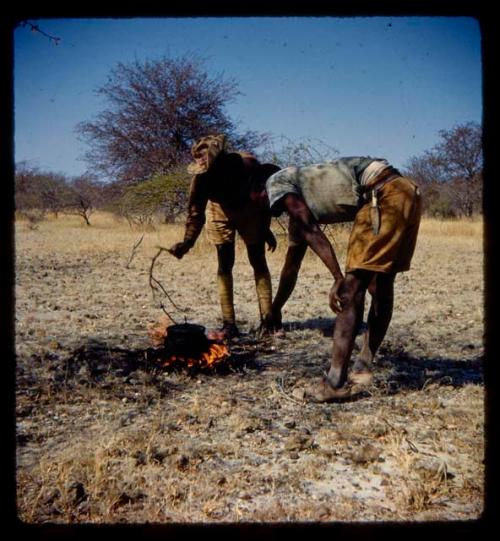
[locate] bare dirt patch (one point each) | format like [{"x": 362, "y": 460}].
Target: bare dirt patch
[{"x": 105, "y": 435}]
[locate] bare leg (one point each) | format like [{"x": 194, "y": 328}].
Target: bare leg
[
  {"x": 347, "y": 324},
  {"x": 225, "y": 258},
  {"x": 257, "y": 258},
  {"x": 379, "y": 318},
  {"x": 288, "y": 279},
  {"x": 346, "y": 327}
]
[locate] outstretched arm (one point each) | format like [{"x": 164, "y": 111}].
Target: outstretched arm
[{"x": 194, "y": 221}]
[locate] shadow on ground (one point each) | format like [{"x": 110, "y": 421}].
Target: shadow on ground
[
  {"x": 325, "y": 325},
  {"x": 101, "y": 359},
  {"x": 398, "y": 370},
  {"x": 401, "y": 371},
  {"x": 395, "y": 371}
]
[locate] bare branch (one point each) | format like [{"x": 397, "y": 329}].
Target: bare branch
[
  {"x": 281, "y": 225},
  {"x": 134, "y": 251},
  {"x": 157, "y": 285},
  {"x": 155, "y": 110},
  {"x": 36, "y": 28}
]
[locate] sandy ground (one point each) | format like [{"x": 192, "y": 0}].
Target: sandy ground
[{"x": 105, "y": 436}]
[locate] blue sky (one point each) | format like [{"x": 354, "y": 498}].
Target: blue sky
[{"x": 380, "y": 86}]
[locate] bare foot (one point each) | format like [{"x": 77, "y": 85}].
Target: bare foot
[
  {"x": 360, "y": 377},
  {"x": 361, "y": 372},
  {"x": 322, "y": 391}
]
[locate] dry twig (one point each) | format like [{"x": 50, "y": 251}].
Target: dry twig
[
  {"x": 36, "y": 28},
  {"x": 157, "y": 285},
  {"x": 279, "y": 386},
  {"x": 281, "y": 225},
  {"x": 134, "y": 251}
]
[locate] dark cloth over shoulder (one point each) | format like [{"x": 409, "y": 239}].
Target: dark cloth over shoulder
[{"x": 227, "y": 182}]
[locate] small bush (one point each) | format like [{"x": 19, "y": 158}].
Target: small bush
[{"x": 164, "y": 194}]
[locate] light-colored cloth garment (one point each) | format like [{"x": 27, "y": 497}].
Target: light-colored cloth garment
[
  {"x": 331, "y": 190},
  {"x": 373, "y": 171}
]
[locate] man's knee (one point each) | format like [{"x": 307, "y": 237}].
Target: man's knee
[{"x": 354, "y": 286}]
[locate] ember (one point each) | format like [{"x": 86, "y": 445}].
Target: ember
[
  {"x": 207, "y": 359},
  {"x": 187, "y": 345}
]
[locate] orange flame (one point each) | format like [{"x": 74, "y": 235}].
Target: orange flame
[{"x": 215, "y": 354}]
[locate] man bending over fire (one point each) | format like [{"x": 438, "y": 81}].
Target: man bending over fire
[
  {"x": 221, "y": 187},
  {"x": 385, "y": 208}
]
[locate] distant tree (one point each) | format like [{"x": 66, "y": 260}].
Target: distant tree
[
  {"x": 26, "y": 196},
  {"x": 431, "y": 179},
  {"x": 176, "y": 184},
  {"x": 164, "y": 195},
  {"x": 460, "y": 156},
  {"x": 155, "y": 110},
  {"x": 55, "y": 193},
  {"x": 85, "y": 196},
  {"x": 451, "y": 173},
  {"x": 40, "y": 192},
  {"x": 284, "y": 151}
]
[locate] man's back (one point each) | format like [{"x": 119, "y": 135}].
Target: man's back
[{"x": 331, "y": 190}]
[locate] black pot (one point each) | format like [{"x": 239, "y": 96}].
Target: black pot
[{"x": 186, "y": 339}]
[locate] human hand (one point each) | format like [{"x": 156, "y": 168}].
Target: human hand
[
  {"x": 335, "y": 298},
  {"x": 271, "y": 241},
  {"x": 179, "y": 249}
]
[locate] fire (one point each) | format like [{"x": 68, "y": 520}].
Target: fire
[
  {"x": 206, "y": 351},
  {"x": 207, "y": 359}
]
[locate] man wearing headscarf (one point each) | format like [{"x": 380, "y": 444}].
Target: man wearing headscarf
[{"x": 220, "y": 198}]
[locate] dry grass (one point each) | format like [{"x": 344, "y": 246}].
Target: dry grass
[
  {"x": 472, "y": 227},
  {"x": 101, "y": 441}
]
